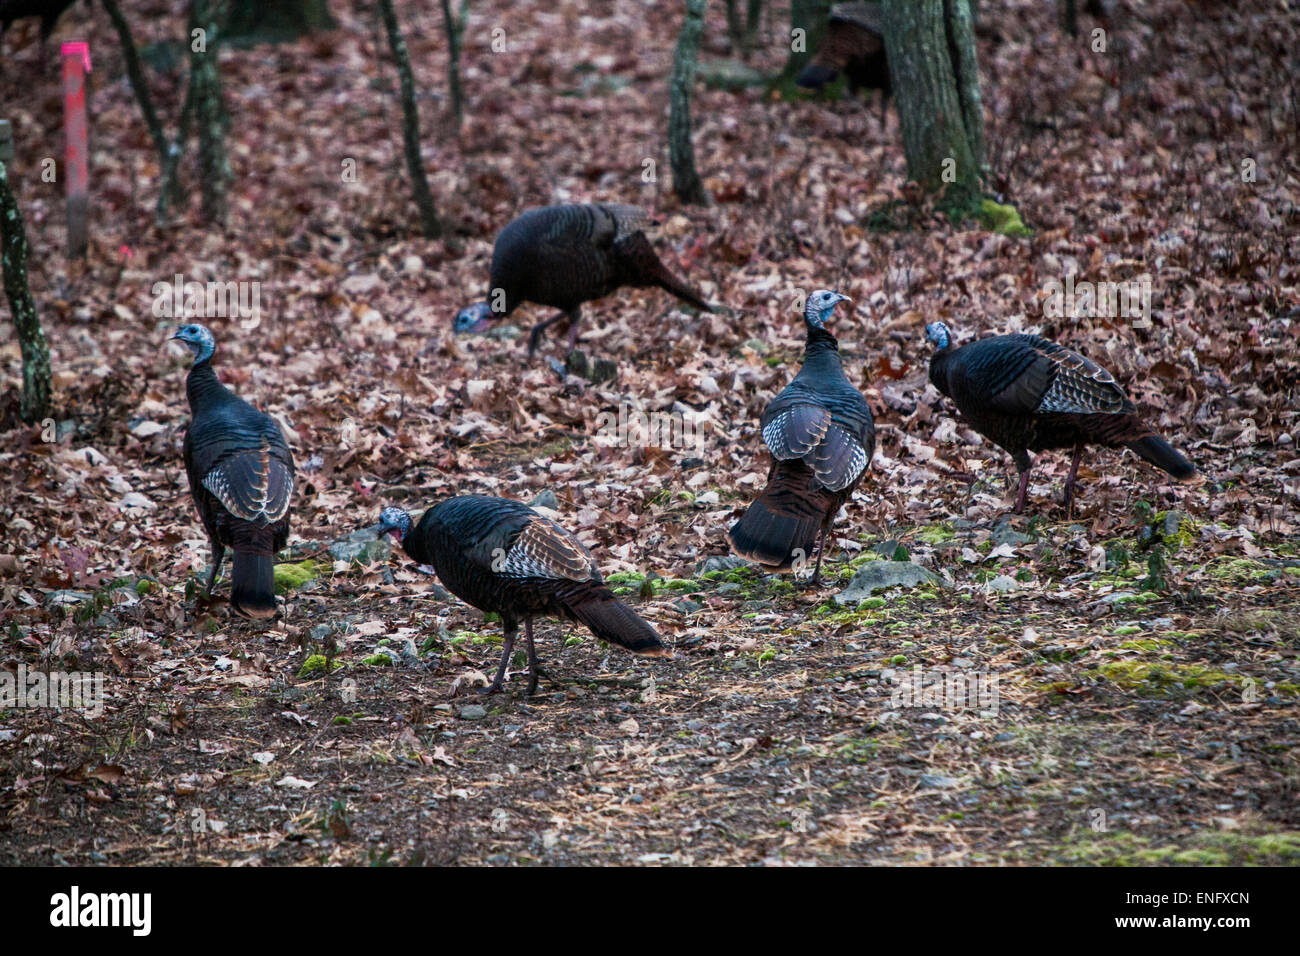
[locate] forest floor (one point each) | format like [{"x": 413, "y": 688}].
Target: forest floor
[{"x": 1118, "y": 685}]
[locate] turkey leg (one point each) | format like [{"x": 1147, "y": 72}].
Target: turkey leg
[
  {"x": 532, "y": 657},
  {"x": 535, "y": 336},
  {"x": 1069, "y": 482},
  {"x": 495, "y": 686},
  {"x": 1024, "y": 490},
  {"x": 821, "y": 550},
  {"x": 218, "y": 554}
]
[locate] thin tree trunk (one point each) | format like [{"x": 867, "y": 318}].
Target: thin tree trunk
[
  {"x": 34, "y": 404},
  {"x": 808, "y": 20},
  {"x": 940, "y": 149},
  {"x": 136, "y": 75},
  {"x": 429, "y": 221},
  {"x": 455, "y": 30},
  {"x": 169, "y": 190},
  {"x": 168, "y": 153},
  {"x": 210, "y": 108},
  {"x": 681, "y": 151},
  {"x": 753, "y": 17}
]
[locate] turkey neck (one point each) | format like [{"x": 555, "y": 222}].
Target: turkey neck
[
  {"x": 202, "y": 385},
  {"x": 938, "y": 368},
  {"x": 821, "y": 352}
]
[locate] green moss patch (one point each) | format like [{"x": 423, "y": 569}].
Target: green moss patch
[
  {"x": 314, "y": 666},
  {"x": 290, "y": 577}
]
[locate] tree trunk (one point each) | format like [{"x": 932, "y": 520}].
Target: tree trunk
[
  {"x": 933, "y": 70},
  {"x": 455, "y": 27},
  {"x": 808, "y": 19},
  {"x": 34, "y": 404},
  {"x": 681, "y": 151},
  {"x": 210, "y": 108},
  {"x": 430, "y": 224},
  {"x": 276, "y": 21},
  {"x": 168, "y": 153}
]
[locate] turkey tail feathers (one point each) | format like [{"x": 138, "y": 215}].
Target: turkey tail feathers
[{"x": 613, "y": 621}]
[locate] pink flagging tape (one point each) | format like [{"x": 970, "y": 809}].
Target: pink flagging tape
[{"x": 77, "y": 48}]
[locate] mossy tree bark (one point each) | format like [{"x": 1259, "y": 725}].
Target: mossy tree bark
[
  {"x": 210, "y": 110},
  {"x": 935, "y": 77},
  {"x": 34, "y": 404},
  {"x": 681, "y": 150},
  {"x": 430, "y": 224},
  {"x": 934, "y": 72}
]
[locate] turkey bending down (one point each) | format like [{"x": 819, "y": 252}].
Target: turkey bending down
[
  {"x": 854, "y": 44},
  {"x": 563, "y": 256},
  {"x": 821, "y": 436},
  {"x": 241, "y": 479},
  {"x": 503, "y": 557},
  {"x": 1025, "y": 393}
]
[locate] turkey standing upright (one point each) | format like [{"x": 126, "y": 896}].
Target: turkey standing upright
[
  {"x": 563, "y": 256},
  {"x": 241, "y": 478},
  {"x": 1026, "y": 393},
  {"x": 821, "y": 435},
  {"x": 854, "y": 45},
  {"x": 502, "y": 556}
]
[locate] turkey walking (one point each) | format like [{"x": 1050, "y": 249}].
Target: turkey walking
[
  {"x": 563, "y": 256},
  {"x": 854, "y": 44},
  {"x": 1025, "y": 393},
  {"x": 241, "y": 478},
  {"x": 503, "y": 557},
  {"x": 821, "y": 436}
]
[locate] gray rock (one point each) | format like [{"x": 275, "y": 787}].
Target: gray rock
[
  {"x": 1003, "y": 533},
  {"x": 473, "y": 712},
  {"x": 546, "y": 499},
  {"x": 937, "y": 781},
  {"x": 1004, "y": 584},
  {"x": 882, "y": 575},
  {"x": 730, "y": 75},
  {"x": 363, "y": 546},
  {"x": 594, "y": 370},
  {"x": 66, "y": 598},
  {"x": 720, "y": 562}
]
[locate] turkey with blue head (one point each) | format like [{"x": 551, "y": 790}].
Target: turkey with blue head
[
  {"x": 1026, "y": 393},
  {"x": 503, "y": 557},
  {"x": 821, "y": 435},
  {"x": 563, "y": 256},
  {"x": 240, "y": 471}
]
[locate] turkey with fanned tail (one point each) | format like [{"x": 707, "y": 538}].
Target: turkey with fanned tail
[
  {"x": 240, "y": 471},
  {"x": 822, "y": 437}
]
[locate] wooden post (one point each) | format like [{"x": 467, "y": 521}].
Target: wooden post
[{"x": 76, "y": 64}]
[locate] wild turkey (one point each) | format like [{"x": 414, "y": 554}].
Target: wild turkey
[
  {"x": 821, "y": 436},
  {"x": 503, "y": 557},
  {"x": 241, "y": 479},
  {"x": 48, "y": 10},
  {"x": 854, "y": 44},
  {"x": 563, "y": 256},
  {"x": 1025, "y": 393}
]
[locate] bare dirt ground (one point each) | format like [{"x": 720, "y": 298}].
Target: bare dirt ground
[{"x": 1139, "y": 657}]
